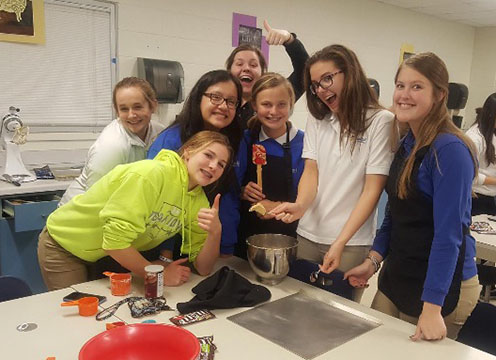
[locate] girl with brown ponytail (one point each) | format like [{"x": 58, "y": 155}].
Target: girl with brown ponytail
[{"x": 429, "y": 277}]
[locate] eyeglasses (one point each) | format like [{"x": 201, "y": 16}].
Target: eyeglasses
[
  {"x": 324, "y": 83},
  {"x": 216, "y": 99}
]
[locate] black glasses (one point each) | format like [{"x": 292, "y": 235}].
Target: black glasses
[
  {"x": 325, "y": 83},
  {"x": 217, "y": 99}
]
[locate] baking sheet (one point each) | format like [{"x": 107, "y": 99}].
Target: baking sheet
[{"x": 305, "y": 326}]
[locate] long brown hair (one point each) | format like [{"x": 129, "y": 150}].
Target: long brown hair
[
  {"x": 269, "y": 80},
  {"x": 356, "y": 97},
  {"x": 437, "y": 120},
  {"x": 190, "y": 119},
  {"x": 486, "y": 121}
]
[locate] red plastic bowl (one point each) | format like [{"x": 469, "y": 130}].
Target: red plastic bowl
[{"x": 142, "y": 341}]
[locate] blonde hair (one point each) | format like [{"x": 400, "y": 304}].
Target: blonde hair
[
  {"x": 205, "y": 138},
  {"x": 437, "y": 120},
  {"x": 267, "y": 81}
]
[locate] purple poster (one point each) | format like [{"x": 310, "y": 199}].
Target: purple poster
[{"x": 249, "y": 31}]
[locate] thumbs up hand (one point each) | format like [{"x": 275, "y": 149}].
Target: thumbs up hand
[
  {"x": 276, "y": 36},
  {"x": 208, "y": 219}
]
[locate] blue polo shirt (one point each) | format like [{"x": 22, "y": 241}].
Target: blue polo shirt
[{"x": 445, "y": 178}]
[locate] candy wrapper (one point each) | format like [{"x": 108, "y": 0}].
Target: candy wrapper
[
  {"x": 259, "y": 158},
  {"x": 207, "y": 348},
  {"x": 192, "y": 317}
]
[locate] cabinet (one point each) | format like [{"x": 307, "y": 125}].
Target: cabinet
[
  {"x": 24, "y": 211},
  {"x": 30, "y": 212}
]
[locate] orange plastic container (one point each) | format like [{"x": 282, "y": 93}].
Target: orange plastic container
[
  {"x": 88, "y": 306},
  {"x": 120, "y": 284}
]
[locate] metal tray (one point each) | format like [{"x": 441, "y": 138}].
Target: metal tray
[{"x": 305, "y": 326}]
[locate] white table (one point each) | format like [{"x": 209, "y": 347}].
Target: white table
[
  {"x": 388, "y": 341},
  {"x": 38, "y": 186},
  {"x": 485, "y": 243},
  {"x": 61, "y": 332}
]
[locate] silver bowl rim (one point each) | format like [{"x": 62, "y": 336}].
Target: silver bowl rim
[{"x": 269, "y": 248}]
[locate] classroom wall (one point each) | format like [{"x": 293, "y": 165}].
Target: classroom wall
[
  {"x": 483, "y": 73},
  {"x": 198, "y": 34}
]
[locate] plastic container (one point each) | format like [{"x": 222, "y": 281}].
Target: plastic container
[
  {"x": 120, "y": 284},
  {"x": 88, "y": 306},
  {"x": 142, "y": 341}
]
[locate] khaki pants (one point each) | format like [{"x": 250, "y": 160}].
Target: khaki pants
[
  {"x": 352, "y": 256},
  {"x": 469, "y": 295},
  {"x": 59, "y": 268}
]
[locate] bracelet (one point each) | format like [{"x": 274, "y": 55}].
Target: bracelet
[
  {"x": 165, "y": 259},
  {"x": 375, "y": 262}
]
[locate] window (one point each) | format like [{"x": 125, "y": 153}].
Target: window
[{"x": 66, "y": 84}]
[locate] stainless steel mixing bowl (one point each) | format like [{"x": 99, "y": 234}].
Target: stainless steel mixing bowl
[{"x": 270, "y": 255}]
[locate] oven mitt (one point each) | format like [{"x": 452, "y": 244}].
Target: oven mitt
[
  {"x": 225, "y": 289},
  {"x": 301, "y": 269}
]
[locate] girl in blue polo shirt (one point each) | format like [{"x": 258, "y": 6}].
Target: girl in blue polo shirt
[
  {"x": 273, "y": 100},
  {"x": 429, "y": 277}
]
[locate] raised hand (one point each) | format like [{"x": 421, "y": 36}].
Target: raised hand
[
  {"x": 176, "y": 274},
  {"x": 208, "y": 219},
  {"x": 276, "y": 36}
]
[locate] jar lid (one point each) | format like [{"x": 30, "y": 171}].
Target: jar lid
[{"x": 154, "y": 268}]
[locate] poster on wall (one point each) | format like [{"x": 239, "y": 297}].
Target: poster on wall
[
  {"x": 22, "y": 21},
  {"x": 244, "y": 30},
  {"x": 250, "y": 35}
]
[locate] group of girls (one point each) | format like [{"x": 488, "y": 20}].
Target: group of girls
[
  {"x": 329, "y": 180},
  {"x": 429, "y": 276},
  {"x": 133, "y": 208}
]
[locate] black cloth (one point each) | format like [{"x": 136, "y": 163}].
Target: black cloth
[
  {"x": 483, "y": 204},
  {"x": 225, "y": 289},
  {"x": 405, "y": 267},
  {"x": 298, "y": 55}
]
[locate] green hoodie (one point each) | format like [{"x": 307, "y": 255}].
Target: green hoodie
[{"x": 139, "y": 204}]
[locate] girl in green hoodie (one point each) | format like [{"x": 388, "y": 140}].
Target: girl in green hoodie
[{"x": 135, "y": 207}]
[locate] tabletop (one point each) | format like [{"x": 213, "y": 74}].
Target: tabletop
[
  {"x": 388, "y": 341},
  {"x": 485, "y": 243},
  {"x": 60, "y": 331}
]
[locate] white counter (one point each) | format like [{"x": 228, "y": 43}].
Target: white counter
[
  {"x": 485, "y": 243},
  {"x": 38, "y": 186},
  {"x": 388, "y": 341},
  {"x": 61, "y": 332}
]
